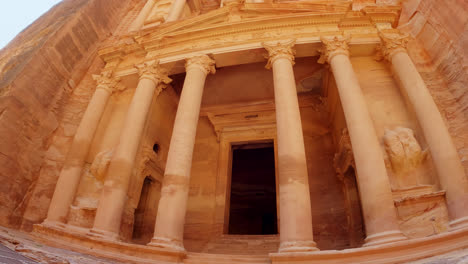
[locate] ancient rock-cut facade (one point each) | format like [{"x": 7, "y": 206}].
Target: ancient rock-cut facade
[{"x": 188, "y": 131}]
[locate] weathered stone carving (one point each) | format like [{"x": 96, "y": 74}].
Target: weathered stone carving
[
  {"x": 404, "y": 152},
  {"x": 279, "y": 50},
  {"x": 152, "y": 70},
  {"x": 344, "y": 158},
  {"x": 147, "y": 154},
  {"x": 101, "y": 163},
  {"x": 107, "y": 82},
  {"x": 392, "y": 43},
  {"x": 333, "y": 46},
  {"x": 202, "y": 62}
]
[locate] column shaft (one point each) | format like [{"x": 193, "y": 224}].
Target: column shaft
[
  {"x": 139, "y": 21},
  {"x": 296, "y": 233},
  {"x": 374, "y": 187},
  {"x": 444, "y": 153},
  {"x": 169, "y": 226},
  {"x": 176, "y": 10},
  {"x": 295, "y": 208},
  {"x": 114, "y": 193},
  {"x": 70, "y": 174}
]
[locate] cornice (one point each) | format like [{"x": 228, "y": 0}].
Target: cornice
[{"x": 213, "y": 30}]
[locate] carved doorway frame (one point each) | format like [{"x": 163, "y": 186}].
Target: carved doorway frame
[{"x": 239, "y": 135}]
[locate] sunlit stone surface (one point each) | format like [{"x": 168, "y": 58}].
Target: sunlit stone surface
[{"x": 257, "y": 131}]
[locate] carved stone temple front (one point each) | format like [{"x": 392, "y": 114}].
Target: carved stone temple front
[{"x": 221, "y": 131}]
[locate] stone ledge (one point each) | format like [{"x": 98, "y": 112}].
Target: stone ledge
[
  {"x": 116, "y": 250},
  {"x": 398, "y": 252},
  {"x": 403, "y": 251}
]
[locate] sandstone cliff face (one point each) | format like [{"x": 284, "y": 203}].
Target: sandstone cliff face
[
  {"x": 441, "y": 54},
  {"x": 38, "y": 71}
]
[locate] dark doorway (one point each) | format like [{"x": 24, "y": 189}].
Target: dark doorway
[
  {"x": 252, "y": 208},
  {"x": 145, "y": 213}
]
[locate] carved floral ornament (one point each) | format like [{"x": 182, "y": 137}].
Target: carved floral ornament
[
  {"x": 391, "y": 44},
  {"x": 332, "y": 47},
  {"x": 107, "y": 82},
  {"x": 278, "y": 50},
  {"x": 202, "y": 62},
  {"x": 152, "y": 70}
]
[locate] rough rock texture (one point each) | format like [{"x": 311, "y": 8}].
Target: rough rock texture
[
  {"x": 38, "y": 71},
  {"x": 37, "y": 252},
  {"x": 441, "y": 54}
]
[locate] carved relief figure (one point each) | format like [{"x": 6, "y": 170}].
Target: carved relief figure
[
  {"x": 403, "y": 149},
  {"x": 101, "y": 163}
]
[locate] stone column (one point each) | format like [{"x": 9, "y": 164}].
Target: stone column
[
  {"x": 378, "y": 208},
  {"x": 176, "y": 10},
  {"x": 169, "y": 227},
  {"x": 70, "y": 174},
  {"x": 295, "y": 210},
  {"x": 444, "y": 153},
  {"x": 139, "y": 21},
  {"x": 114, "y": 192}
]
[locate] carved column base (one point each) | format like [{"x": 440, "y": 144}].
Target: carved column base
[
  {"x": 459, "y": 223},
  {"x": 167, "y": 243},
  {"x": 103, "y": 234},
  {"x": 298, "y": 246},
  {"x": 384, "y": 238}
]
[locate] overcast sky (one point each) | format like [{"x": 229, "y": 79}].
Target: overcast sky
[{"x": 16, "y": 15}]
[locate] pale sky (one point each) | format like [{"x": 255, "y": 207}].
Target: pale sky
[{"x": 16, "y": 15}]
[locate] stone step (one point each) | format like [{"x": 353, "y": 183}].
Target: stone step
[
  {"x": 243, "y": 244},
  {"x": 206, "y": 258}
]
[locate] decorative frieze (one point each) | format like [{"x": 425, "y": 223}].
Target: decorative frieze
[
  {"x": 276, "y": 50},
  {"x": 332, "y": 47}
]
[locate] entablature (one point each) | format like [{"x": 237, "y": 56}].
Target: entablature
[{"x": 233, "y": 41}]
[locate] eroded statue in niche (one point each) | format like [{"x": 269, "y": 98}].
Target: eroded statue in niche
[
  {"x": 101, "y": 163},
  {"x": 403, "y": 150}
]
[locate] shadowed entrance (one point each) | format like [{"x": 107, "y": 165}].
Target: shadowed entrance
[{"x": 253, "y": 190}]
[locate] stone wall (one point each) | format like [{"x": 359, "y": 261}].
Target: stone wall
[
  {"x": 39, "y": 70},
  {"x": 441, "y": 55}
]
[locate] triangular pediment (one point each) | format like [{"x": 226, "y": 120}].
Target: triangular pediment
[
  {"x": 249, "y": 12},
  {"x": 248, "y": 15}
]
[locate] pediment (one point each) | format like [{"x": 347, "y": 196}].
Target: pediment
[
  {"x": 250, "y": 12},
  {"x": 246, "y": 15},
  {"x": 245, "y": 23}
]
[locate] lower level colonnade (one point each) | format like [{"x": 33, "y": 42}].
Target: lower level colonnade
[
  {"x": 296, "y": 229},
  {"x": 114, "y": 194}
]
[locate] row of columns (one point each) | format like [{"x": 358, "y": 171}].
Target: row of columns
[{"x": 295, "y": 211}]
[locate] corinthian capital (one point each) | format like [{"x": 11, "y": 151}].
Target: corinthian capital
[
  {"x": 278, "y": 50},
  {"x": 332, "y": 47},
  {"x": 202, "y": 62},
  {"x": 107, "y": 82},
  {"x": 152, "y": 70},
  {"x": 392, "y": 43}
]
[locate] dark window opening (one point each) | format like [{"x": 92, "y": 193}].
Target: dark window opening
[
  {"x": 145, "y": 213},
  {"x": 156, "y": 148},
  {"x": 252, "y": 208}
]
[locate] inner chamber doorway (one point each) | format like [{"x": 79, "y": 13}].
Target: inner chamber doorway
[{"x": 252, "y": 206}]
